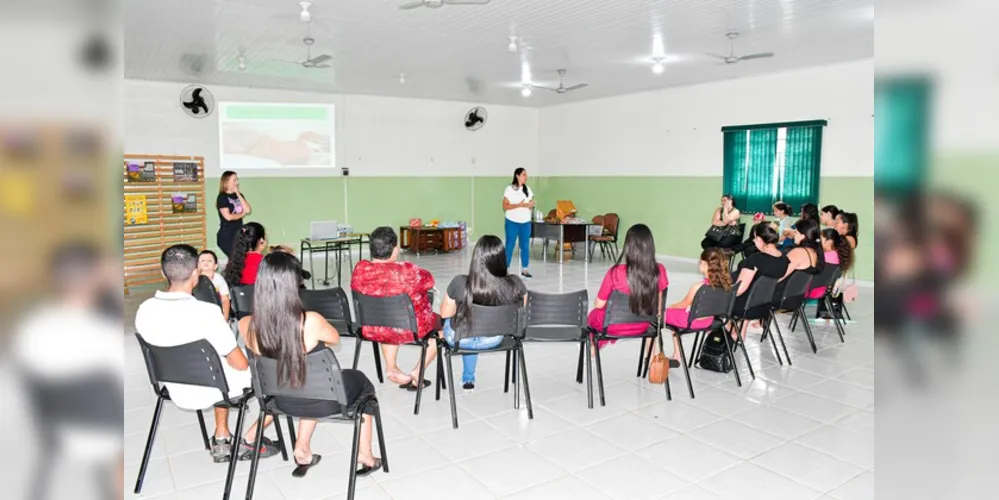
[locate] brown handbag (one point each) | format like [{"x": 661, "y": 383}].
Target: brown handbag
[{"x": 658, "y": 369}]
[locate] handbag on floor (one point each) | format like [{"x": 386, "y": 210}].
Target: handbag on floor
[
  {"x": 658, "y": 369},
  {"x": 714, "y": 354}
]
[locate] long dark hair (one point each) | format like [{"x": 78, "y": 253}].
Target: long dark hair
[
  {"x": 810, "y": 211},
  {"x": 850, "y": 219},
  {"x": 276, "y": 324},
  {"x": 809, "y": 228},
  {"x": 246, "y": 240},
  {"x": 639, "y": 257},
  {"x": 842, "y": 247},
  {"x": 488, "y": 283},
  {"x": 516, "y": 183}
]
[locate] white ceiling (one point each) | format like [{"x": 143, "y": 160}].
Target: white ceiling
[{"x": 460, "y": 52}]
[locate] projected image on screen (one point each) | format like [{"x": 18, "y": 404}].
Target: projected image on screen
[{"x": 276, "y": 136}]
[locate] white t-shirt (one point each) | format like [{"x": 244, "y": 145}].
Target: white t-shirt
[
  {"x": 515, "y": 196},
  {"x": 171, "y": 319},
  {"x": 220, "y": 284}
]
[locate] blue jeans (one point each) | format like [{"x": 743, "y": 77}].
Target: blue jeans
[
  {"x": 516, "y": 230},
  {"x": 468, "y": 361}
]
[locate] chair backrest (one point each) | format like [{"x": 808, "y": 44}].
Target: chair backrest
[
  {"x": 711, "y": 302},
  {"x": 827, "y": 278},
  {"x": 241, "y": 300},
  {"x": 323, "y": 378},
  {"x": 742, "y": 231},
  {"x": 612, "y": 223},
  {"x": 332, "y": 304},
  {"x": 205, "y": 291},
  {"x": 761, "y": 292},
  {"x": 619, "y": 312},
  {"x": 797, "y": 286},
  {"x": 393, "y": 312},
  {"x": 599, "y": 219},
  {"x": 491, "y": 321},
  {"x": 194, "y": 363},
  {"x": 553, "y": 317}
]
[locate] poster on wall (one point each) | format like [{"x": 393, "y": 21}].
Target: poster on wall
[
  {"x": 185, "y": 172},
  {"x": 184, "y": 203},
  {"x": 135, "y": 210},
  {"x": 142, "y": 173}
]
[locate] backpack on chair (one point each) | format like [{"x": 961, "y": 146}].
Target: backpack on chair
[{"x": 714, "y": 355}]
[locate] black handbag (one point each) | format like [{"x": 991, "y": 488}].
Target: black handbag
[{"x": 714, "y": 353}]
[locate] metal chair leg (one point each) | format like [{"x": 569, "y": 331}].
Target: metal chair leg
[
  {"x": 808, "y": 330},
  {"x": 281, "y": 441},
  {"x": 527, "y": 386},
  {"x": 683, "y": 362},
  {"x": 579, "y": 365},
  {"x": 419, "y": 379},
  {"x": 237, "y": 436},
  {"x": 352, "y": 481},
  {"x": 641, "y": 358},
  {"x": 358, "y": 342},
  {"x": 439, "y": 383},
  {"x": 381, "y": 435},
  {"x": 291, "y": 431},
  {"x": 255, "y": 460},
  {"x": 836, "y": 320},
  {"x": 731, "y": 356},
  {"x": 450, "y": 391},
  {"x": 149, "y": 445},
  {"x": 376, "y": 348},
  {"x": 506, "y": 374},
  {"x": 600, "y": 375},
  {"x": 204, "y": 430},
  {"x": 587, "y": 345},
  {"x": 780, "y": 336}
]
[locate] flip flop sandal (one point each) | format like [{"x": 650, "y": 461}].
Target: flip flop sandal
[
  {"x": 302, "y": 469},
  {"x": 412, "y": 388},
  {"x": 365, "y": 470}
]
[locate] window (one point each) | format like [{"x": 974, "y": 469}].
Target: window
[{"x": 773, "y": 162}]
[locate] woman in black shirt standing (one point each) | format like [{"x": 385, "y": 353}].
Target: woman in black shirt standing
[{"x": 232, "y": 207}]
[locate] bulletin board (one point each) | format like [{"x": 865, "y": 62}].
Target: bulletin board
[{"x": 163, "y": 205}]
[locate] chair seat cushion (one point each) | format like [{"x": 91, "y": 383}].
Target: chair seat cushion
[
  {"x": 715, "y": 325},
  {"x": 507, "y": 344},
  {"x": 609, "y": 239}
]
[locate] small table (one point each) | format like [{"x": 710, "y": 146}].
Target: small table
[
  {"x": 419, "y": 239},
  {"x": 564, "y": 233},
  {"x": 335, "y": 245}
]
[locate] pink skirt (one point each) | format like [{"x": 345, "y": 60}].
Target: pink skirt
[
  {"x": 678, "y": 318},
  {"x": 816, "y": 293}
]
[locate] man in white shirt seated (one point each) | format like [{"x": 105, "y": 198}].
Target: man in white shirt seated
[{"x": 175, "y": 317}]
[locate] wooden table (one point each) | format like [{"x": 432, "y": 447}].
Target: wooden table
[
  {"x": 564, "y": 233},
  {"x": 420, "y": 239}
]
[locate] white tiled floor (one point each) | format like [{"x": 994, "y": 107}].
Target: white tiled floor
[{"x": 799, "y": 432}]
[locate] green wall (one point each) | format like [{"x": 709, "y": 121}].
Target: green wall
[{"x": 678, "y": 209}]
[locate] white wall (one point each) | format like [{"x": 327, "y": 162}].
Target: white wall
[
  {"x": 677, "y": 131},
  {"x": 376, "y": 136}
]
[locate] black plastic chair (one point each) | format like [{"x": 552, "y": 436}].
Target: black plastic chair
[
  {"x": 241, "y": 300},
  {"x": 618, "y": 312},
  {"x": 491, "y": 321},
  {"x": 709, "y": 302},
  {"x": 196, "y": 363},
  {"x": 205, "y": 291},
  {"x": 760, "y": 294},
  {"x": 826, "y": 279},
  {"x": 792, "y": 299},
  {"x": 323, "y": 381},
  {"x": 92, "y": 402},
  {"x": 395, "y": 312},
  {"x": 333, "y": 305},
  {"x": 553, "y": 318}
]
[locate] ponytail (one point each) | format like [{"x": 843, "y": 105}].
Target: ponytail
[
  {"x": 842, "y": 247},
  {"x": 246, "y": 240}
]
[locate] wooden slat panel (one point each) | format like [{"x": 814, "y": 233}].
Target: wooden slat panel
[{"x": 144, "y": 243}]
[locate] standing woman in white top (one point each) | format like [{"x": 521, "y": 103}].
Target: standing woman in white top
[{"x": 518, "y": 202}]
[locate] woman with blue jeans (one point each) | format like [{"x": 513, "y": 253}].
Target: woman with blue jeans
[
  {"x": 518, "y": 202},
  {"x": 488, "y": 284}
]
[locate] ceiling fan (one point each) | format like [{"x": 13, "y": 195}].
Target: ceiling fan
[
  {"x": 731, "y": 58},
  {"x": 310, "y": 62},
  {"x": 561, "y": 89},
  {"x": 434, "y": 4}
]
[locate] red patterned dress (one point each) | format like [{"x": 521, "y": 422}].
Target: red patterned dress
[{"x": 394, "y": 278}]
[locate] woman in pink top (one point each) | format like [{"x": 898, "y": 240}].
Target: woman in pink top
[
  {"x": 714, "y": 266},
  {"x": 837, "y": 251},
  {"x": 640, "y": 277}
]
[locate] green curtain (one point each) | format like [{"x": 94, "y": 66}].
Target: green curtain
[
  {"x": 802, "y": 156},
  {"x": 901, "y": 133},
  {"x": 760, "y": 171},
  {"x": 735, "y": 165}
]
